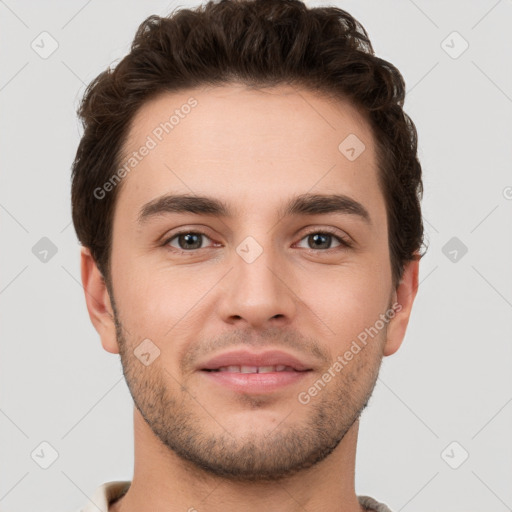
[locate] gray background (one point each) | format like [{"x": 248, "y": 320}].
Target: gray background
[{"x": 449, "y": 382}]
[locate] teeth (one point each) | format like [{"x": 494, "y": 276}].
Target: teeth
[
  {"x": 255, "y": 369},
  {"x": 248, "y": 369}
]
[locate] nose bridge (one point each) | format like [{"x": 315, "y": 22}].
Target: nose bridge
[
  {"x": 257, "y": 285},
  {"x": 255, "y": 264}
]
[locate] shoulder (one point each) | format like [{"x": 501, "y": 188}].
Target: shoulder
[{"x": 372, "y": 505}]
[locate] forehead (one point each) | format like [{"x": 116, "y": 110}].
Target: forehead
[{"x": 250, "y": 145}]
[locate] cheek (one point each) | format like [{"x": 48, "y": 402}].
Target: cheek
[
  {"x": 161, "y": 303},
  {"x": 344, "y": 302}
]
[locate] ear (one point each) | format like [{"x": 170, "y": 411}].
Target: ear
[
  {"x": 403, "y": 298},
  {"x": 98, "y": 301}
]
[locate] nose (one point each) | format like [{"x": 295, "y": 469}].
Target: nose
[{"x": 258, "y": 292}]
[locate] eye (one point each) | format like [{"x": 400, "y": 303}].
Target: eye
[
  {"x": 322, "y": 240},
  {"x": 187, "y": 240}
]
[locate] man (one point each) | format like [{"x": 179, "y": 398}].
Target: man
[{"x": 247, "y": 193}]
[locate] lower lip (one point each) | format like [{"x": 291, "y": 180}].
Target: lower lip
[{"x": 255, "y": 382}]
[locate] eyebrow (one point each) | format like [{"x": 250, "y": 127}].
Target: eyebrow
[{"x": 304, "y": 204}]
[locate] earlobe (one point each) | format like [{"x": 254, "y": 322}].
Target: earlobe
[
  {"x": 403, "y": 296},
  {"x": 98, "y": 301}
]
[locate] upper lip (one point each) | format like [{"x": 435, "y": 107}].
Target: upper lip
[{"x": 246, "y": 358}]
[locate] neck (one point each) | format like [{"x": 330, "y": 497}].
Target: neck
[{"x": 163, "y": 482}]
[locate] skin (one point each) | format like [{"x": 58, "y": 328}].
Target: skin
[{"x": 254, "y": 149}]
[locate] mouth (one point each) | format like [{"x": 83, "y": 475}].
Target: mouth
[{"x": 255, "y": 373}]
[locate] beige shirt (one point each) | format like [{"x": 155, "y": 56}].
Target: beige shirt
[{"x": 111, "y": 491}]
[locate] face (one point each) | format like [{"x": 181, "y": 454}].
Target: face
[{"x": 251, "y": 324}]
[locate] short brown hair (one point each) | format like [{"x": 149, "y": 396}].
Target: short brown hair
[{"x": 256, "y": 43}]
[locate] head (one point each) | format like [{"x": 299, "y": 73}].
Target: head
[{"x": 248, "y": 179}]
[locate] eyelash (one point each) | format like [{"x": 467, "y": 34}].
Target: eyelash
[{"x": 344, "y": 242}]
